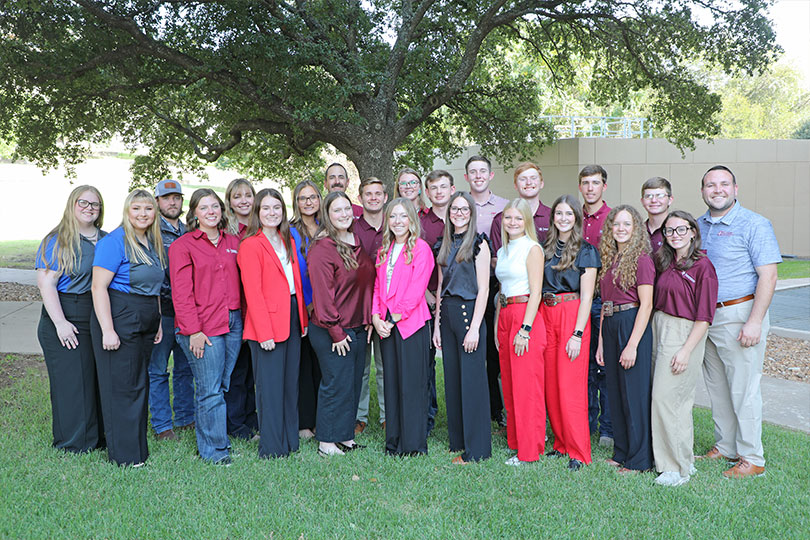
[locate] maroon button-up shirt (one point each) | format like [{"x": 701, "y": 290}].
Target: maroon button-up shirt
[
  {"x": 370, "y": 238},
  {"x": 542, "y": 217},
  {"x": 592, "y": 224},
  {"x": 205, "y": 282},
  {"x": 432, "y": 230},
  {"x": 689, "y": 294},
  {"x": 656, "y": 236},
  {"x": 341, "y": 297}
]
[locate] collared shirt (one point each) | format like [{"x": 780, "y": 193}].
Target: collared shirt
[
  {"x": 80, "y": 280},
  {"x": 542, "y": 217},
  {"x": 737, "y": 244},
  {"x": 689, "y": 294},
  {"x": 592, "y": 224},
  {"x": 432, "y": 231},
  {"x": 168, "y": 234},
  {"x": 370, "y": 238},
  {"x": 205, "y": 282},
  {"x": 357, "y": 210},
  {"x": 487, "y": 212},
  {"x": 645, "y": 275},
  {"x": 656, "y": 236},
  {"x": 129, "y": 276}
]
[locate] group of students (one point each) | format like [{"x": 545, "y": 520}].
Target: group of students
[{"x": 300, "y": 300}]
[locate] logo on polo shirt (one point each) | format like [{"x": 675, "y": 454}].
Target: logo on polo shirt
[
  {"x": 687, "y": 276},
  {"x": 725, "y": 233}
]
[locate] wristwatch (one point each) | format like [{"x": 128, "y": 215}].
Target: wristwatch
[
  {"x": 578, "y": 333},
  {"x": 526, "y": 327}
]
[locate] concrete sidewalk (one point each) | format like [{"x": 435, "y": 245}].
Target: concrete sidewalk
[{"x": 785, "y": 403}]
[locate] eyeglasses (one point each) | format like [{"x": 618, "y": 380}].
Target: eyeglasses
[
  {"x": 409, "y": 184},
  {"x": 463, "y": 210},
  {"x": 659, "y": 196},
  {"x": 84, "y": 204},
  {"x": 305, "y": 200},
  {"x": 680, "y": 230}
]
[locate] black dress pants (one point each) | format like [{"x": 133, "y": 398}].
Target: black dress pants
[
  {"x": 122, "y": 374},
  {"x": 240, "y": 398},
  {"x": 276, "y": 374},
  {"x": 465, "y": 381},
  {"x": 75, "y": 402},
  {"x": 493, "y": 359},
  {"x": 629, "y": 391},
  {"x": 309, "y": 379},
  {"x": 405, "y": 370}
]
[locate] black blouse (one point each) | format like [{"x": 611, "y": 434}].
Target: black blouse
[
  {"x": 562, "y": 281},
  {"x": 459, "y": 279}
]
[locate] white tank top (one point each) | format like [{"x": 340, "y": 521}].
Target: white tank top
[{"x": 511, "y": 266}]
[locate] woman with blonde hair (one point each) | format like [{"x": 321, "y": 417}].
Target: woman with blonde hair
[
  {"x": 521, "y": 333},
  {"x": 128, "y": 270},
  {"x": 240, "y": 398},
  {"x": 64, "y": 266},
  {"x": 399, "y": 313},
  {"x": 626, "y": 282},
  {"x": 409, "y": 186}
]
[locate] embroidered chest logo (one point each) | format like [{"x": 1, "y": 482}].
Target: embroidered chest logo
[
  {"x": 725, "y": 233},
  {"x": 688, "y": 277}
]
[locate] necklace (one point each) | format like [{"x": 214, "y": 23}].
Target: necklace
[
  {"x": 558, "y": 250},
  {"x": 214, "y": 240}
]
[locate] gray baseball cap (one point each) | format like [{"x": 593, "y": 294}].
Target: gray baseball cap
[{"x": 165, "y": 187}]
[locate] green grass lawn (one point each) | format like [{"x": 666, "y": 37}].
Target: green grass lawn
[
  {"x": 48, "y": 494},
  {"x": 794, "y": 268},
  {"x": 18, "y": 253}
]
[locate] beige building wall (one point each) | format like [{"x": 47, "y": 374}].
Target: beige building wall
[{"x": 773, "y": 176}]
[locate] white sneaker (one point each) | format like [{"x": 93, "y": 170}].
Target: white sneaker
[
  {"x": 513, "y": 461},
  {"x": 671, "y": 478},
  {"x": 692, "y": 469}
]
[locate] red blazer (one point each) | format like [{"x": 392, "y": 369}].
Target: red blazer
[{"x": 266, "y": 290}]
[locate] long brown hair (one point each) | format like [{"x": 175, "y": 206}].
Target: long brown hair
[
  {"x": 68, "y": 240},
  {"x": 298, "y": 220},
  {"x": 625, "y": 275},
  {"x": 345, "y": 251},
  {"x": 574, "y": 242},
  {"x": 414, "y": 230},
  {"x": 666, "y": 254},
  {"x": 192, "y": 223},
  {"x": 256, "y": 226},
  {"x": 467, "y": 249}
]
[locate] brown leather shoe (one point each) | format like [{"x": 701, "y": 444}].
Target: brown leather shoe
[
  {"x": 714, "y": 453},
  {"x": 744, "y": 468},
  {"x": 168, "y": 435},
  {"x": 359, "y": 427}
]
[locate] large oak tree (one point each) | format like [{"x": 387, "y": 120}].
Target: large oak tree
[{"x": 265, "y": 83}]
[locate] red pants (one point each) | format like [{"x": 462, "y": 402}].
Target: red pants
[
  {"x": 566, "y": 387},
  {"x": 522, "y": 378}
]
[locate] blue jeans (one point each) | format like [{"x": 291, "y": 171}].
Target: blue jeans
[
  {"x": 182, "y": 381},
  {"x": 212, "y": 377},
  {"x": 598, "y": 407}
]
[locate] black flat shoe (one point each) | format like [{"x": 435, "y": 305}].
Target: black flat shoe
[
  {"x": 346, "y": 448},
  {"x": 575, "y": 465},
  {"x": 554, "y": 453}
]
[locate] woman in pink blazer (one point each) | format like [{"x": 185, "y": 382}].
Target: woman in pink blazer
[
  {"x": 399, "y": 313},
  {"x": 275, "y": 321}
]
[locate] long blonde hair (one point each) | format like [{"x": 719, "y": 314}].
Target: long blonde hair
[
  {"x": 233, "y": 222},
  {"x": 68, "y": 239},
  {"x": 528, "y": 221},
  {"x": 639, "y": 244},
  {"x": 414, "y": 230},
  {"x": 571, "y": 249},
  {"x": 135, "y": 251},
  {"x": 345, "y": 251}
]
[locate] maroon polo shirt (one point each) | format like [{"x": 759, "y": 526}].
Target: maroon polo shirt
[
  {"x": 205, "y": 282},
  {"x": 341, "y": 297},
  {"x": 542, "y": 218},
  {"x": 432, "y": 230},
  {"x": 688, "y": 294},
  {"x": 357, "y": 210},
  {"x": 645, "y": 275},
  {"x": 592, "y": 224},
  {"x": 656, "y": 236},
  {"x": 370, "y": 238}
]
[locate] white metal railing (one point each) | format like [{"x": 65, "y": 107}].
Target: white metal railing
[{"x": 619, "y": 127}]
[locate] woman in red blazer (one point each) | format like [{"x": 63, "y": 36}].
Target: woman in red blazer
[
  {"x": 268, "y": 260},
  {"x": 399, "y": 312}
]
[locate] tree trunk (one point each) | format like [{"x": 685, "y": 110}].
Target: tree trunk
[{"x": 376, "y": 159}]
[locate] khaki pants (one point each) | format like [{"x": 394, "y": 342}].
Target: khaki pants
[
  {"x": 733, "y": 375},
  {"x": 673, "y": 395}
]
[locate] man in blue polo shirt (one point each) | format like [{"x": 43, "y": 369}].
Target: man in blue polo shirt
[
  {"x": 169, "y": 197},
  {"x": 742, "y": 246}
]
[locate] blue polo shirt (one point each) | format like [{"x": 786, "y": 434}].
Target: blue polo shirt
[
  {"x": 737, "y": 244},
  {"x": 77, "y": 282},
  {"x": 130, "y": 277}
]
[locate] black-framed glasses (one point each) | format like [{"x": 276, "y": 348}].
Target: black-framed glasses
[
  {"x": 462, "y": 210},
  {"x": 84, "y": 204},
  {"x": 305, "y": 200},
  {"x": 680, "y": 230}
]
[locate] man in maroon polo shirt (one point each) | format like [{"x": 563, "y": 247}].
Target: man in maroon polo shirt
[
  {"x": 656, "y": 198},
  {"x": 592, "y": 185},
  {"x": 369, "y": 228},
  {"x": 528, "y": 183},
  {"x": 439, "y": 187},
  {"x": 336, "y": 178}
]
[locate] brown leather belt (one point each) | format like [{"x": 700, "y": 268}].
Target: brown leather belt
[
  {"x": 609, "y": 308},
  {"x": 512, "y": 299},
  {"x": 551, "y": 299},
  {"x": 735, "y": 301}
]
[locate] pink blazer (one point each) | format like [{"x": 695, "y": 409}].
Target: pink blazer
[{"x": 406, "y": 295}]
